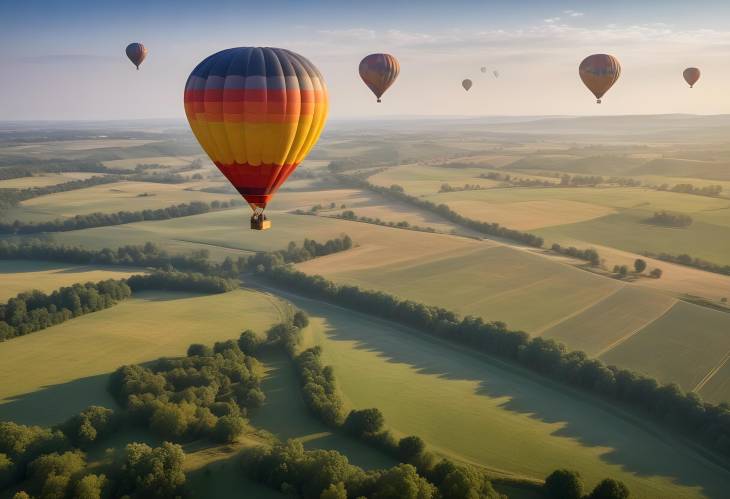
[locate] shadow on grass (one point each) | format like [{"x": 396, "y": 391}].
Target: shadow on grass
[
  {"x": 224, "y": 479},
  {"x": 54, "y": 404},
  {"x": 285, "y": 415},
  {"x": 636, "y": 446}
]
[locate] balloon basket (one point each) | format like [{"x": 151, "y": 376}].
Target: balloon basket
[{"x": 260, "y": 223}]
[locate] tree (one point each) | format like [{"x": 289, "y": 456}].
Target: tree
[
  {"x": 656, "y": 273},
  {"x": 335, "y": 491},
  {"x": 610, "y": 489},
  {"x": 151, "y": 472},
  {"x": 21, "y": 495},
  {"x": 228, "y": 428},
  {"x": 403, "y": 482},
  {"x": 198, "y": 350},
  {"x": 639, "y": 265},
  {"x": 248, "y": 342},
  {"x": 300, "y": 319},
  {"x": 410, "y": 448},
  {"x": 364, "y": 422},
  {"x": 90, "y": 487},
  {"x": 563, "y": 484},
  {"x": 6, "y": 471}
]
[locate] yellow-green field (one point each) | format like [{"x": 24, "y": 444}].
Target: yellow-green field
[
  {"x": 107, "y": 198},
  {"x": 131, "y": 163},
  {"x": 52, "y": 374},
  {"x": 45, "y": 180},
  {"x": 24, "y": 275},
  {"x": 513, "y": 423},
  {"x": 423, "y": 180}
]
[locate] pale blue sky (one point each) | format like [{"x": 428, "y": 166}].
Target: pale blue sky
[{"x": 65, "y": 59}]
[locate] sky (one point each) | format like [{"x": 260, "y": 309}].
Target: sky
[{"x": 64, "y": 60}]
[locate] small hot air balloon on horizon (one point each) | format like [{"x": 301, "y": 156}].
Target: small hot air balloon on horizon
[
  {"x": 379, "y": 72},
  {"x": 495, "y": 73},
  {"x": 599, "y": 72},
  {"x": 136, "y": 53},
  {"x": 691, "y": 75},
  {"x": 257, "y": 112},
  {"x": 483, "y": 69},
  {"x": 467, "y": 83}
]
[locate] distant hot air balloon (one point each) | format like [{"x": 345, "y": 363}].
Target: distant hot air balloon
[
  {"x": 495, "y": 73},
  {"x": 466, "y": 84},
  {"x": 257, "y": 112},
  {"x": 691, "y": 75},
  {"x": 483, "y": 69},
  {"x": 599, "y": 72},
  {"x": 136, "y": 53},
  {"x": 379, "y": 71}
]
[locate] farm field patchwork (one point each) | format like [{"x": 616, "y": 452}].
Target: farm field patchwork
[
  {"x": 66, "y": 367},
  {"x": 45, "y": 179}
]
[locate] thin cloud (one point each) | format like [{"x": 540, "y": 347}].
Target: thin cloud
[
  {"x": 66, "y": 59},
  {"x": 573, "y": 13}
]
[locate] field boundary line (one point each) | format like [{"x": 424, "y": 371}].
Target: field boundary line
[
  {"x": 577, "y": 312},
  {"x": 712, "y": 373},
  {"x": 636, "y": 331}
]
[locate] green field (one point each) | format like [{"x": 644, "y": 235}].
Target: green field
[
  {"x": 620, "y": 314},
  {"x": 24, "y": 275},
  {"x": 625, "y": 231},
  {"x": 498, "y": 416},
  {"x": 65, "y": 367},
  {"x": 685, "y": 345}
]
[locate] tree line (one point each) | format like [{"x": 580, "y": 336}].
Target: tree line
[
  {"x": 712, "y": 191},
  {"x": 668, "y": 219},
  {"x": 35, "y": 310},
  {"x": 664, "y": 403},
  {"x": 590, "y": 255},
  {"x": 99, "y": 219},
  {"x": 493, "y": 229},
  {"x": 690, "y": 261},
  {"x": 350, "y": 215},
  {"x": 151, "y": 255},
  {"x": 181, "y": 281}
]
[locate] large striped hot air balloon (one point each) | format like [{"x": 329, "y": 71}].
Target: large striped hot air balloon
[
  {"x": 379, "y": 71},
  {"x": 599, "y": 72},
  {"x": 257, "y": 112},
  {"x": 691, "y": 75},
  {"x": 136, "y": 53}
]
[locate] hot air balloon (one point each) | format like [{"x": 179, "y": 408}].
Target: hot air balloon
[
  {"x": 495, "y": 73},
  {"x": 691, "y": 75},
  {"x": 257, "y": 112},
  {"x": 136, "y": 53},
  {"x": 466, "y": 84},
  {"x": 599, "y": 72},
  {"x": 483, "y": 69},
  {"x": 379, "y": 71}
]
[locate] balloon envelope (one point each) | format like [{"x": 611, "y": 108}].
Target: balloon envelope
[
  {"x": 379, "y": 71},
  {"x": 466, "y": 84},
  {"x": 495, "y": 73},
  {"x": 484, "y": 69},
  {"x": 257, "y": 112},
  {"x": 599, "y": 72},
  {"x": 136, "y": 53},
  {"x": 691, "y": 75}
]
